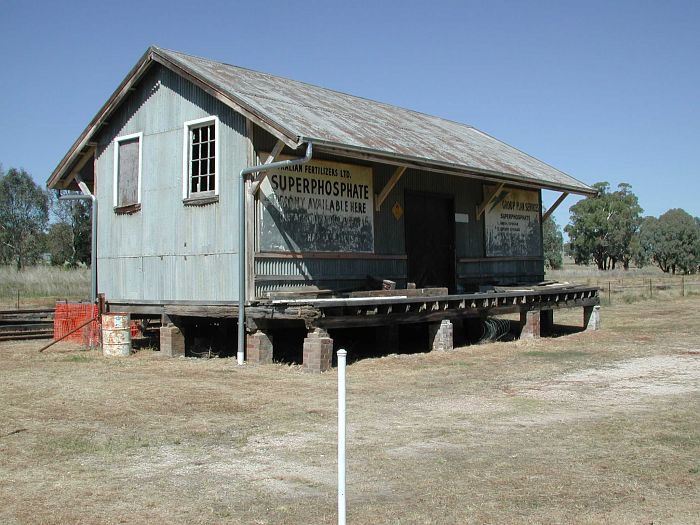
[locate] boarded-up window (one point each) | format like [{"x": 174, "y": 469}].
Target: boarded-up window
[{"x": 127, "y": 170}]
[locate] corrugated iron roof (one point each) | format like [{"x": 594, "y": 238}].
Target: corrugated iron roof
[
  {"x": 331, "y": 117},
  {"x": 302, "y": 112}
]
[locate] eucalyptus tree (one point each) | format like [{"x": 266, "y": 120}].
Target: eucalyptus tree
[
  {"x": 24, "y": 214},
  {"x": 603, "y": 227}
]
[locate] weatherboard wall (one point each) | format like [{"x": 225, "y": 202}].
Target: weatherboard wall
[{"x": 168, "y": 250}]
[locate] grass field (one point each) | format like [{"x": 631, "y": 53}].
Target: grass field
[
  {"x": 589, "y": 428},
  {"x": 42, "y": 286}
]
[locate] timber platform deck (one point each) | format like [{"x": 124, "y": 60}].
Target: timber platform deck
[{"x": 348, "y": 312}]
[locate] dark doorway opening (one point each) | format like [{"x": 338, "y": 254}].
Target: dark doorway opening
[{"x": 430, "y": 240}]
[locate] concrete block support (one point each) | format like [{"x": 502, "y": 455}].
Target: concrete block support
[
  {"x": 591, "y": 318},
  {"x": 387, "y": 339},
  {"x": 546, "y": 322},
  {"x": 318, "y": 349},
  {"x": 172, "y": 341},
  {"x": 530, "y": 322},
  {"x": 441, "y": 336},
  {"x": 259, "y": 348}
]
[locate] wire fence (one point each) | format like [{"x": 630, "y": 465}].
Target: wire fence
[{"x": 630, "y": 289}]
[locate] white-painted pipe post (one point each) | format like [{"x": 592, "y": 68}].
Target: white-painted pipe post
[{"x": 342, "y": 354}]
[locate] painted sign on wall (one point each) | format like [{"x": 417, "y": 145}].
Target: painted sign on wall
[
  {"x": 319, "y": 206},
  {"x": 512, "y": 223}
]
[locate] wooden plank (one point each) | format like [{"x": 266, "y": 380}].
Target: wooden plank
[
  {"x": 330, "y": 256},
  {"x": 87, "y": 155},
  {"x": 482, "y": 207},
  {"x": 381, "y": 197},
  {"x": 554, "y": 206},
  {"x": 251, "y": 219},
  {"x": 414, "y": 292},
  {"x": 297, "y": 278},
  {"x": 499, "y": 258},
  {"x": 276, "y": 150}
]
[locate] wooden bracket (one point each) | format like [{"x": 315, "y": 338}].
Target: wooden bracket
[
  {"x": 381, "y": 197},
  {"x": 87, "y": 155},
  {"x": 279, "y": 146},
  {"x": 482, "y": 207},
  {"x": 554, "y": 206}
]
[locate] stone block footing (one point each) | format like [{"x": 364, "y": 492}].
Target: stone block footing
[
  {"x": 258, "y": 348},
  {"x": 441, "y": 336},
  {"x": 172, "y": 341},
  {"x": 530, "y": 323},
  {"x": 591, "y": 318},
  {"x": 318, "y": 349}
]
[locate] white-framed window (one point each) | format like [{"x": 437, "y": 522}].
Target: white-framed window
[
  {"x": 200, "y": 169},
  {"x": 127, "y": 170}
]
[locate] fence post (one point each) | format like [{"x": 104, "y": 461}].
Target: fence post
[
  {"x": 682, "y": 285},
  {"x": 609, "y": 294},
  {"x": 651, "y": 293},
  {"x": 342, "y": 354},
  {"x": 17, "y": 299}
]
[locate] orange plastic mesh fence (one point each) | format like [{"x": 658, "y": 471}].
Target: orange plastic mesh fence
[{"x": 69, "y": 316}]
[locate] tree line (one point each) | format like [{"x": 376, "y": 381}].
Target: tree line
[
  {"x": 609, "y": 230},
  {"x": 35, "y": 224}
]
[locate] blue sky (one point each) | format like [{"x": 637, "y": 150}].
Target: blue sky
[{"x": 604, "y": 91}]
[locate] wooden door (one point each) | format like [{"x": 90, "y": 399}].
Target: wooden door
[{"x": 430, "y": 240}]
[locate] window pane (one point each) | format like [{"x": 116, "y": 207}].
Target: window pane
[{"x": 202, "y": 161}]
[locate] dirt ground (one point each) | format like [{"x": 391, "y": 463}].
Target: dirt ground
[{"x": 597, "y": 427}]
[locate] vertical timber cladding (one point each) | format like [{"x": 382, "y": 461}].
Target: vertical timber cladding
[
  {"x": 320, "y": 206},
  {"x": 512, "y": 223}
]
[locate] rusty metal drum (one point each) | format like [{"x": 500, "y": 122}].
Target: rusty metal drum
[{"x": 116, "y": 334}]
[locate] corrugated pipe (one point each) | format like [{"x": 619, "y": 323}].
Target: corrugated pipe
[
  {"x": 241, "y": 237},
  {"x": 93, "y": 241}
]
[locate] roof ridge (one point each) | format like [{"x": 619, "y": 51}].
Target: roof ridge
[{"x": 316, "y": 86}]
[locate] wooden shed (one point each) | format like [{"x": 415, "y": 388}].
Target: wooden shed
[{"x": 227, "y": 193}]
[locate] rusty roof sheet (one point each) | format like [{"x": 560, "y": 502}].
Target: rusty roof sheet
[
  {"x": 337, "y": 119},
  {"x": 298, "y": 112}
]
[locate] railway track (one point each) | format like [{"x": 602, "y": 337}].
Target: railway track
[{"x": 16, "y": 325}]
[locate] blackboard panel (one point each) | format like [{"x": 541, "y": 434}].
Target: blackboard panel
[
  {"x": 320, "y": 206},
  {"x": 512, "y": 223}
]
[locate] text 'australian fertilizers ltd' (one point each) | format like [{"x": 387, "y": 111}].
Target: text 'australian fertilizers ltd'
[{"x": 323, "y": 188}]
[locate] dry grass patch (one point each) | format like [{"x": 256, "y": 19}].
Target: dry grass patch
[
  {"x": 40, "y": 286},
  {"x": 588, "y": 428}
]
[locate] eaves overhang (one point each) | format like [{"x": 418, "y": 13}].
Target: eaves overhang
[{"x": 431, "y": 165}]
